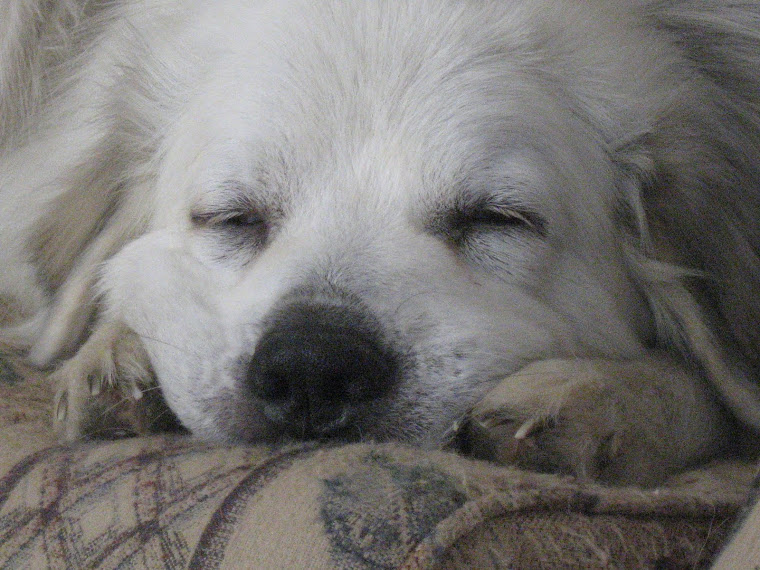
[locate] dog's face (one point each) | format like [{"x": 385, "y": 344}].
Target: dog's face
[{"x": 369, "y": 214}]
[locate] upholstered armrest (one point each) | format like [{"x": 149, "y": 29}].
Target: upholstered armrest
[{"x": 172, "y": 502}]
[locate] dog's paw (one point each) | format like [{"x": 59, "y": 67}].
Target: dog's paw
[
  {"x": 565, "y": 416},
  {"x": 97, "y": 390}
]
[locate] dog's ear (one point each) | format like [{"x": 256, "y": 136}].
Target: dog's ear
[
  {"x": 87, "y": 223},
  {"x": 693, "y": 192},
  {"x": 99, "y": 201},
  {"x": 39, "y": 38},
  {"x": 38, "y": 35}
]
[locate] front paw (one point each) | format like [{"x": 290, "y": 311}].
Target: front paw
[
  {"x": 568, "y": 416},
  {"x": 96, "y": 391}
]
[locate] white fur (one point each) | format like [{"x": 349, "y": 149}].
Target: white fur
[{"x": 358, "y": 126}]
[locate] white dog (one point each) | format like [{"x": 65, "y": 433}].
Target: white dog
[{"x": 355, "y": 219}]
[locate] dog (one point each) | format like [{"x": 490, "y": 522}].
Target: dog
[{"x": 527, "y": 228}]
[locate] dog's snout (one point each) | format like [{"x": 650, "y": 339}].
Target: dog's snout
[{"x": 315, "y": 365}]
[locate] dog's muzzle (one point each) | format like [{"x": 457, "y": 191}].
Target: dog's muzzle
[{"x": 316, "y": 366}]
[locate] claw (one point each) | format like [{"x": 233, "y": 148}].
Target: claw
[
  {"x": 528, "y": 428},
  {"x": 95, "y": 383},
  {"x": 615, "y": 447},
  {"x": 62, "y": 406}
]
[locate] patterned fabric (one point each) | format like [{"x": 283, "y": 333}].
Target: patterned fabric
[
  {"x": 744, "y": 549},
  {"x": 7, "y": 373},
  {"x": 137, "y": 506},
  {"x": 402, "y": 504},
  {"x": 172, "y": 502}
]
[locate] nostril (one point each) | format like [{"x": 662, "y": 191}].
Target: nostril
[{"x": 272, "y": 386}]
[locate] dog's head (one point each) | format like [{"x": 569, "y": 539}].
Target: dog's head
[
  {"x": 369, "y": 214},
  {"x": 360, "y": 216}
]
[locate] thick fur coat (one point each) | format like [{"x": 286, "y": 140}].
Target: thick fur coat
[{"x": 532, "y": 225}]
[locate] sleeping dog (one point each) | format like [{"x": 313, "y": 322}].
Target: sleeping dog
[{"x": 531, "y": 227}]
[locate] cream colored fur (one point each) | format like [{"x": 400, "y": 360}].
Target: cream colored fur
[{"x": 562, "y": 194}]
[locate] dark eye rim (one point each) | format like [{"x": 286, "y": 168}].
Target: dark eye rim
[
  {"x": 464, "y": 223},
  {"x": 231, "y": 218},
  {"x": 504, "y": 217},
  {"x": 241, "y": 230}
]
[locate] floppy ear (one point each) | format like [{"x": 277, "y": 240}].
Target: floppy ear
[
  {"x": 37, "y": 36},
  {"x": 85, "y": 225},
  {"x": 101, "y": 203},
  {"x": 98, "y": 203},
  {"x": 694, "y": 191}
]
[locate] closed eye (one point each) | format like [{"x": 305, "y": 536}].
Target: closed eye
[
  {"x": 503, "y": 217},
  {"x": 493, "y": 235},
  {"x": 227, "y": 218},
  {"x": 237, "y": 232},
  {"x": 466, "y": 222}
]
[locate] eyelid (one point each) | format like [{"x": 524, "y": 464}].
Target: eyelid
[
  {"x": 509, "y": 212},
  {"x": 506, "y": 214},
  {"x": 216, "y": 218}
]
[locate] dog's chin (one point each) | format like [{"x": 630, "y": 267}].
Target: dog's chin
[{"x": 230, "y": 417}]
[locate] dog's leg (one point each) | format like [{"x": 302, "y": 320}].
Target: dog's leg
[
  {"x": 143, "y": 319},
  {"x": 112, "y": 359},
  {"x": 616, "y": 421}
]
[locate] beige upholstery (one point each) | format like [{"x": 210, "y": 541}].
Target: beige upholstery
[{"x": 171, "y": 502}]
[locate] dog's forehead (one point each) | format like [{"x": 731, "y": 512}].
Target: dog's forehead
[
  {"x": 380, "y": 101},
  {"x": 421, "y": 97}
]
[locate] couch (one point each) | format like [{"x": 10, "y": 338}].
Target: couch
[{"x": 169, "y": 501}]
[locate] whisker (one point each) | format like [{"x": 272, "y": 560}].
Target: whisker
[
  {"x": 165, "y": 343},
  {"x": 150, "y": 389},
  {"x": 409, "y": 299},
  {"x": 122, "y": 401},
  {"x": 154, "y": 420}
]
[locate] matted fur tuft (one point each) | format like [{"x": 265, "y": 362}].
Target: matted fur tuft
[
  {"x": 38, "y": 36},
  {"x": 700, "y": 197}
]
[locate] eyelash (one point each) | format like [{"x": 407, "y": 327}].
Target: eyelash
[
  {"x": 464, "y": 223},
  {"x": 227, "y": 218},
  {"x": 248, "y": 228},
  {"x": 503, "y": 217}
]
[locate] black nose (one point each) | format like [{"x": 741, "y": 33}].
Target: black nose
[{"x": 315, "y": 365}]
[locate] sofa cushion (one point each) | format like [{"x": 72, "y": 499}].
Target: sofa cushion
[{"x": 172, "y": 502}]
